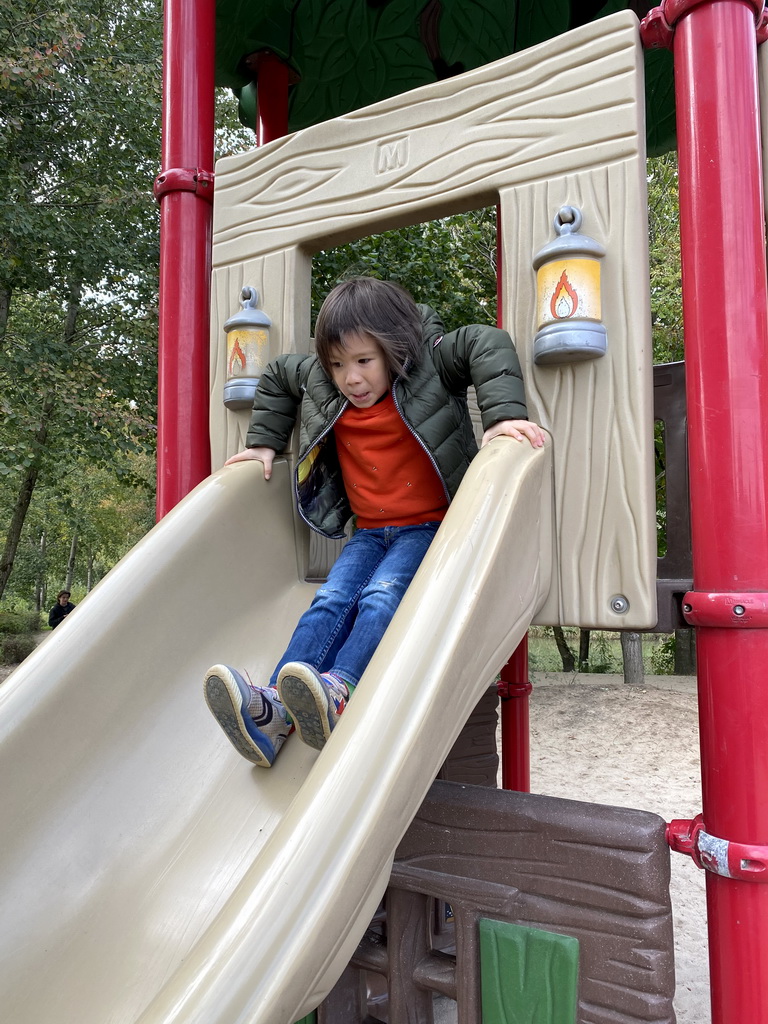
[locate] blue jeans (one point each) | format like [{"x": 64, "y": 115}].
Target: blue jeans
[{"x": 350, "y": 612}]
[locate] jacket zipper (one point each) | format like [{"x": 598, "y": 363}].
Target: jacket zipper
[
  {"x": 299, "y": 461},
  {"x": 423, "y": 444}
]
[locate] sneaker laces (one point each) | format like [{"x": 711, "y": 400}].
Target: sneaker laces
[{"x": 263, "y": 693}]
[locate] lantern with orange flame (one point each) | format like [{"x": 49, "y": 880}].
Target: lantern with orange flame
[
  {"x": 247, "y": 350},
  {"x": 568, "y": 290}
]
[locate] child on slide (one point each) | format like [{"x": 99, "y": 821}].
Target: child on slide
[{"x": 385, "y": 435}]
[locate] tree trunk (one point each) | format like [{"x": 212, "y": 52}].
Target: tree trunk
[
  {"x": 23, "y": 500},
  {"x": 5, "y": 308},
  {"x": 566, "y": 654},
  {"x": 89, "y": 580},
  {"x": 632, "y": 652},
  {"x": 71, "y": 562},
  {"x": 40, "y": 589},
  {"x": 584, "y": 637},
  {"x": 685, "y": 652}
]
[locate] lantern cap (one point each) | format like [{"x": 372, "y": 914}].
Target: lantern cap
[
  {"x": 569, "y": 241},
  {"x": 249, "y": 317}
]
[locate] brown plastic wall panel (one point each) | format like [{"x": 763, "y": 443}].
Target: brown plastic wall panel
[
  {"x": 474, "y": 757},
  {"x": 600, "y": 874}
]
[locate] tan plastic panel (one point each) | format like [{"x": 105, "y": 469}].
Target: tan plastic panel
[
  {"x": 149, "y": 873},
  {"x": 599, "y": 412},
  {"x": 559, "y": 123}
]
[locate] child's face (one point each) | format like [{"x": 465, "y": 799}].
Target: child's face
[{"x": 359, "y": 370}]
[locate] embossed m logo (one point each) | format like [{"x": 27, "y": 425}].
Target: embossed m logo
[{"x": 391, "y": 155}]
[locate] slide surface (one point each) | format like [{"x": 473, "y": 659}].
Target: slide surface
[{"x": 152, "y": 876}]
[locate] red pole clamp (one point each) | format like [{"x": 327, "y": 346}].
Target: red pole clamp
[
  {"x": 506, "y": 690},
  {"x": 682, "y": 835},
  {"x": 745, "y": 862},
  {"x": 657, "y": 29},
  {"x": 747, "y": 610},
  {"x": 185, "y": 179}
]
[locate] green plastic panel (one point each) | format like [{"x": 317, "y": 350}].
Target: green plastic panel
[{"x": 528, "y": 976}]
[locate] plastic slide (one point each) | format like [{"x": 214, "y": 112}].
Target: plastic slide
[{"x": 149, "y": 874}]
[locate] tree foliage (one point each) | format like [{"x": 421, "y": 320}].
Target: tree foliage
[
  {"x": 103, "y": 514},
  {"x": 450, "y": 264},
  {"x": 79, "y": 131},
  {"x": 666, "y": 301},
  {"x": 79, "y": 137},
  {"x": 664, "y": 259}
]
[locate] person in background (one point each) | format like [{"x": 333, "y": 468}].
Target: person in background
[{"x": 61, "y": 609}]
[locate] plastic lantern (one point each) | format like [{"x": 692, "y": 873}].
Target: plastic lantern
[
  {"x": 568, "y": 294},
  {"x": 247, "y": 350}
]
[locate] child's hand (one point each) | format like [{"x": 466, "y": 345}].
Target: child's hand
[
  {"x": 264, "y": 455},
  {"x": 517, "y": 429}
]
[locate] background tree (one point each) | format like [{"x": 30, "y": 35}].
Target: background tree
[
  {"x": 449, "y": 264},
  {"x": 664, "y": 259},
  {"x": 79, "y": 136}
]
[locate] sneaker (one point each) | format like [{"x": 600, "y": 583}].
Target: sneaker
[
  {"x": 253, "y": 717},
  {"x": 314, "y": 702}
]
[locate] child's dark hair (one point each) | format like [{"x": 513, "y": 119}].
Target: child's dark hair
[{"x": 380, "y": 308}]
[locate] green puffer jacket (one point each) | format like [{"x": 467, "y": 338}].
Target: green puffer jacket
[{"x": 432, "y": 400}]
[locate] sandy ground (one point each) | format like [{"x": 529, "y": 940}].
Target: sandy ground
[{"x": 594, "y": 738}]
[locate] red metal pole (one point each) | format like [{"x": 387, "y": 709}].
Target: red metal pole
[
  {"x": 514, "y": 690},
  {"x": 273, "y": 79},
  {"x": 185, "y": 190},
  {"x": 514, "y": 687},
  {"x": 725, "y": 307}
]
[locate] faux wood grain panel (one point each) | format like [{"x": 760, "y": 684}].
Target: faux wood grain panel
[{"x": 559, "y": 123}]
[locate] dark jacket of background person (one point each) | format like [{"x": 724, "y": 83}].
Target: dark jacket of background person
[{"x": 58, "y": 612}]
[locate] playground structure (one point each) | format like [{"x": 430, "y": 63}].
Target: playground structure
[
  {"x": 124, "y": 846},
  {"x": 714, "y": 46}
]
